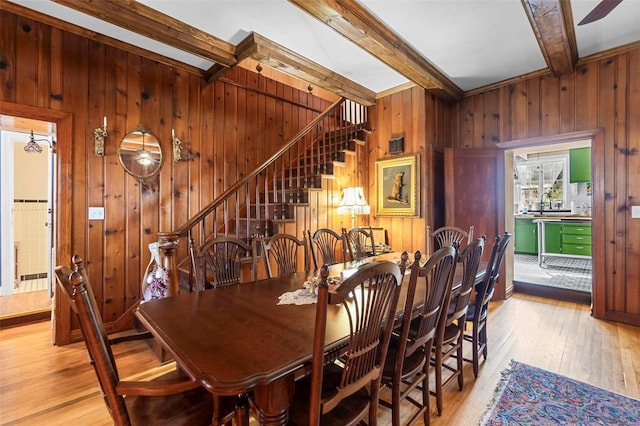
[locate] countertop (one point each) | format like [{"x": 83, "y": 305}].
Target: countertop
[{"x": 554, "y": 217}]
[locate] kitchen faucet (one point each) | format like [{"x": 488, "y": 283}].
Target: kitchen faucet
[{"x": 548, "y": 194}]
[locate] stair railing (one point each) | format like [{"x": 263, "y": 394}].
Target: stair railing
[{"x": 246, "y": 208}]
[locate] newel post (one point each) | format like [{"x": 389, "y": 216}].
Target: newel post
[{"x": 168, "y": 243}]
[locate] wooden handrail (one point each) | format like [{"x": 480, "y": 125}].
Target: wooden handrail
[
  {"x": 169, "y": 241},
  {"x": 182, "y": 231}
]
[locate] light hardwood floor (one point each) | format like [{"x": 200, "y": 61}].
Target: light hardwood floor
[{"x": 44, "y": 384}]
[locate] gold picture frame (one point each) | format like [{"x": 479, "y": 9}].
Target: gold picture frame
[{"x": 397, "y": 183}]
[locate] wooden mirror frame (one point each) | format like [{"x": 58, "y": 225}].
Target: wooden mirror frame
[{"x": 140, "y": 154}]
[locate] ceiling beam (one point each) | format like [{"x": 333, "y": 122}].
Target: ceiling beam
[
  {"x": 97, "y": 37},
  {"x": 151, "y": 23},
  {"x": 358, "y": 24},
  {"x": 272, "y": 54},
  {"x": 141, "y": 19},
  {"x": 552, "y": 23}
]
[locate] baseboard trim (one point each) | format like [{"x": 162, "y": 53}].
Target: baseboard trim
[
  {"x": 552, "y": 292},
  {"x": 25, "y": 318}
]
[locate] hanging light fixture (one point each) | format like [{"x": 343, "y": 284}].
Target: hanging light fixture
[
  {"x": 33, "y": 146},
  {"x": 143, "y": 156},
  {"x": 353, "y": 202}
]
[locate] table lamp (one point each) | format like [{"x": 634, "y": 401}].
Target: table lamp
[{"x": 353, "y": 202}]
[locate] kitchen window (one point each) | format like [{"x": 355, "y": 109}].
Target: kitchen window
[{"x": 541, "y": 179}]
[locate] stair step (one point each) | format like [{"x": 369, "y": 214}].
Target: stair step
[
  {"x": 360, "y": 130},
  {"x": 297, "y": 196},
  {"x": 252, "y": 226},
  {"x": 347, "y": 146},
  {"x": 288, "y": 196},
  {"x": 273, "y": 211},
  {"x": 356, "y": 134},
  {"x": 337, "y": 158},
  {"x": 292, "y": 220},
  {"x": 310, "y": 182},
  {"x": 315, "y": 169}
]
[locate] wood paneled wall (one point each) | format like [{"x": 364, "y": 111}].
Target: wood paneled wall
[
  {"x": 425, "y": 123},
  {"x": 602, "y": 94},
  {"x": 228, "y": 127}
]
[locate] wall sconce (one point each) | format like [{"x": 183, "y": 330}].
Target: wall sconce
[
  {"x": 177, "y": 147},
  {"x": 98, "y": 138},
  {"x": 353, "y": 202}
]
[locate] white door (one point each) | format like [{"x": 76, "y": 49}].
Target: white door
[{"x": 26, "y": 219}]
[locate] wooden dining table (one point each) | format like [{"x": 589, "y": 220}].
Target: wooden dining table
[{"x": 238, "y": 339}]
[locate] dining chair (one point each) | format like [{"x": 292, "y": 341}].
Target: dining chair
[
  {"x": 358, "y": 239},
  {"x": 169, "y": 399},
  {"x": 479, "y": 309},
  {"x": 327, "y": 247},
  {"x": 219, "y": 261},
  {"x": 283, "y": 250},
  {"x": 447, "y": 236},
  {"x": 450, "y": 334},
  {"x": 346, "y": 391},
  {"x": 115, "y": 337},
  {"x": 404, "y": 262},
  {"x": 407, "y": 365}
]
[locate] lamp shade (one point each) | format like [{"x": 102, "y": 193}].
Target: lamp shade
[{"x": 353, "y": 201}]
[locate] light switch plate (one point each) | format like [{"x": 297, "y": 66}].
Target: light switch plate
[
  {"x": 635, "y": 212},
  {"x": 96, "y": 213}
]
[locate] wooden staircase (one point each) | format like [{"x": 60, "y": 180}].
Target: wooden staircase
[
  {"x": 302, "y": 178},
  {"x": 272, "y": 194}
]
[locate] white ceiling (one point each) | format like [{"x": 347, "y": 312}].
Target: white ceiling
[{"x": 473, "y": 42}]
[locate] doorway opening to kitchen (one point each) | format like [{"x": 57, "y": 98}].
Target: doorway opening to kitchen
[{"x": 552, "y": 200}]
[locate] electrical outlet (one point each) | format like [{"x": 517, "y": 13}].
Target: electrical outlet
[
  {"x": 635, "y": 212},
  {"x": 96, "y": 213}
]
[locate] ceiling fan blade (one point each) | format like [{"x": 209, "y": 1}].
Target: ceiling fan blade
[{"x": 600, "y": 11}]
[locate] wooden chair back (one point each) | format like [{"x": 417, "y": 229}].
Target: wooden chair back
[
  {"x": 485, "y": 288},
  {"x": 417, "y": 333},
  {"x": 284, "y": 251},
  {"x": 219, "y": 261},
  {"x": 429, "y": 287},
  {"x": 470, "y": 260},
  {"x": 404, "y": 262},
  {"x": 450, "y": 334},
  {"x": 478, "y": 311},
  {"x": 369, "y": 298},
  {"x": 74, "y": 288},
  {"x": 358, "y": 239},
  {"x": 447, "y": 236},
  {"x": 169, "y": 399},
  {"x": 327, "y": 247}
]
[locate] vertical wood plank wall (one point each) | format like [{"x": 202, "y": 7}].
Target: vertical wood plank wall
[
  {"x": 425, "y": 123},
  {"x": 226, "y": 130},
  {"x": 602, "y": 94}
]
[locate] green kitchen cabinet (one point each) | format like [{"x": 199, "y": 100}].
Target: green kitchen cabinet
[
  {"x": 526, "y": 236},
  {"x": 576, "y": 239},
  {"x": 553, "y": 237},
  {"x": 580, "y": 165}
]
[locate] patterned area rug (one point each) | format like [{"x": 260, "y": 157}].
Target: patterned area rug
[{"x": 528, "y": 395}]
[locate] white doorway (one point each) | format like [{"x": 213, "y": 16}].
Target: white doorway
[
  {"x": 564, "y": 277},
  {"x": 27, "y": 166}
]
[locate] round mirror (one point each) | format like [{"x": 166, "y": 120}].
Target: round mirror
[{"x": 140, "y": 154}]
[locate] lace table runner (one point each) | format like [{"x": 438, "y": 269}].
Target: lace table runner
[{"x": 298, "y": 297}]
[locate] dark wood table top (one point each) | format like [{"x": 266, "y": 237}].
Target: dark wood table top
[{"x": 232, "y": 339}]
